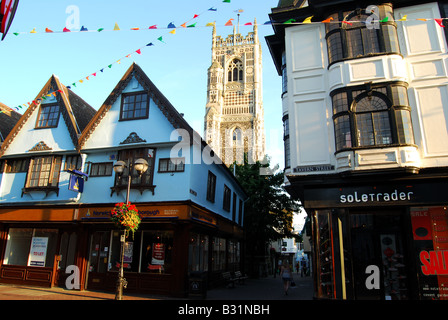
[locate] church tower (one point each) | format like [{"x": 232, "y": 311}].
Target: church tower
[{"x": 234, "y": 121}]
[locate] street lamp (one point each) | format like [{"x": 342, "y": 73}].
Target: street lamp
[{"x": 140, "y": 165}]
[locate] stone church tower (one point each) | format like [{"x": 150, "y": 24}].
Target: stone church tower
[{"x": 234, "y": 122}]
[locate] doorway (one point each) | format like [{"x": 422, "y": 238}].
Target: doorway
[
  {"x": 378, "y": 257},
  {"x": 66, "y": 256}
]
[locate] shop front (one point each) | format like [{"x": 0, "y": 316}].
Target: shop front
[
  {"x": 381, "y": 240},
  {"x": 37, "y": 245},
  {"x": 173, "y": 241}
]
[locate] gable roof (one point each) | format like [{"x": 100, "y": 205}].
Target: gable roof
[
  {"x": 8, "y": 118},
  {"x": 75, "y": 111},
  {"x": 168, "y": 110}
]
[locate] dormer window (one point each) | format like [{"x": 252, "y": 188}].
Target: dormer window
[
  {"x": 48, "y": 116},
  {"x": 134, "y": 106}
]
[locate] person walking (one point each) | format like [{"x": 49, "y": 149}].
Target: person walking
[{"x": 286, "y": 275}]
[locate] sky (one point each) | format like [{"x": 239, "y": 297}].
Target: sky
[{"x": 177, "y": 66}]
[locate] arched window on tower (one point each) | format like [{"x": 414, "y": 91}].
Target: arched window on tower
[{"x": 235, "y": 71}]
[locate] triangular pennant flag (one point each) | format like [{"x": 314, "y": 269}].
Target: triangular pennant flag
[
  {"x": 227, "y": 1},
  {"x": 289, "y": 21},
  {"x": 15, "y": 33},
  {"x": 385, "y": 19},
  {"x": 33, "y": 31},
  {"x": 81, "y": 81},
  {"x": 439, "y": 22},
  {"x": 422, "y": 19},
  {"x": 139, "y": 51},
  {"x": 192, "y": 25},
  {"x": 150, "y": 44},
  {"x": 118, "y": 61},
  {"x": 267, "y": 22},
  {"x": 171, "y": 25},
  {"x": 229, "y": 23},
  {"x": 210, "y": 24},
  {"x": 184, "y": 25},
  {"x": 65, "y": 30},
  {"x": 195, "y": 16},
  {"x": 110, "y": 66},
  {"x": 94, "y": 74},
  {"x": 328, "y": 20},
  {"x": 84, "y": 28},
  {"x": 173, "y": 32},
  {"x": 248, "y": 24},
  {"x": 116, "y": 27},
  {"x": 48, "y": 30},
  {"x": 102, "y": 70},
  {"x": 160, "y": 39},
  {"x": 153, "y": 27},
  {"x": 100, "y": 29},
  {"x": 135, "y": 28},
  {"x": 308, "y": 20},
  {"x": 346, "y": 22},
  {"x": 87, "y": 78},
  {"x": 212, "y": 9},
  {"x": 405, "y": 17}
]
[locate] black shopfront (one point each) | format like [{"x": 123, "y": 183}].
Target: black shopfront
[{"x": 378, "y": 237}]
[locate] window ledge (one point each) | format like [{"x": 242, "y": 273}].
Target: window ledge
[
  {"x": 141, "y": 188},
  {"x": 47, "y": 190}
]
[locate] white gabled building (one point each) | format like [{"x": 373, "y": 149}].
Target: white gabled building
[
  {"x": 190, "y": 203},
  {"x": 365, "y": 107}
]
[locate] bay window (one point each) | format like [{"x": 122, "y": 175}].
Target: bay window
[{"x": 371, "y": 116}]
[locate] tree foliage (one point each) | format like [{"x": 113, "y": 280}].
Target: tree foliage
[{"x": 268, "y": 212}]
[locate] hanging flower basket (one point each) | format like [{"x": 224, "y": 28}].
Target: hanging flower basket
[{"x": 126, "y": 216}]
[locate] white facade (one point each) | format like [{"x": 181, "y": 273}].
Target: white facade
[{"x": 422, "y": 65}]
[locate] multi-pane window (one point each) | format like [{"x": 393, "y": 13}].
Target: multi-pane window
[
  {"x": 73, "y": 162},
  {"x": 351, "y": 35},
  {"x": 44, "y": 172},
  {"x": 17, "y": 165},
  {"x": 235, "y": 71},
  {"x": 131, "y": 155},
  {"x": 102, "y": 169},
  {"x": 172, "y": 165},
  {"x": 48, "y": 116},
  {"x": 134, "y": 106},
  {"x": 369, "y": 117}
]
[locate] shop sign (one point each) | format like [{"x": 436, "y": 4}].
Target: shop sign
[
  {"x": 316, "y": 168},
  {"x": 146, "y": 212},
  {"x": 38, "y": 251},
  {"x": 376, "y": 195},
  {"x": 434, "y": 262}
]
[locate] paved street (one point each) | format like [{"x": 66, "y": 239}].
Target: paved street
[{"x": 254, "y": 289}]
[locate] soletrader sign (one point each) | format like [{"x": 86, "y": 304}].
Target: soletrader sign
[{"x": 376, "y": 196}]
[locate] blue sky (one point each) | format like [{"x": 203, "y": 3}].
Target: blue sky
[{"x": 178, "y": 67}]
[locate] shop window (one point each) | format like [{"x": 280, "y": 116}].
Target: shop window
[
  {"x": 325, "y": 285},
  {"x": 351, "y": 36},
  {"x": 134, "y": 106},
  {"x": 430, "y": 235},
  {"x": 31, "y": 247},
  {"x": 371, "y": 116},
  {"x": 131, "y": 252},
  {"x": 218, "y": 254},
  {"x": 198, "y": 252},
  {"x": 157, "y": 252},
  {"x": 48, "y": 116}
]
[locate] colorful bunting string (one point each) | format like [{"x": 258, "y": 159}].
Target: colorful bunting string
[{"x": 138, "y": 51}]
